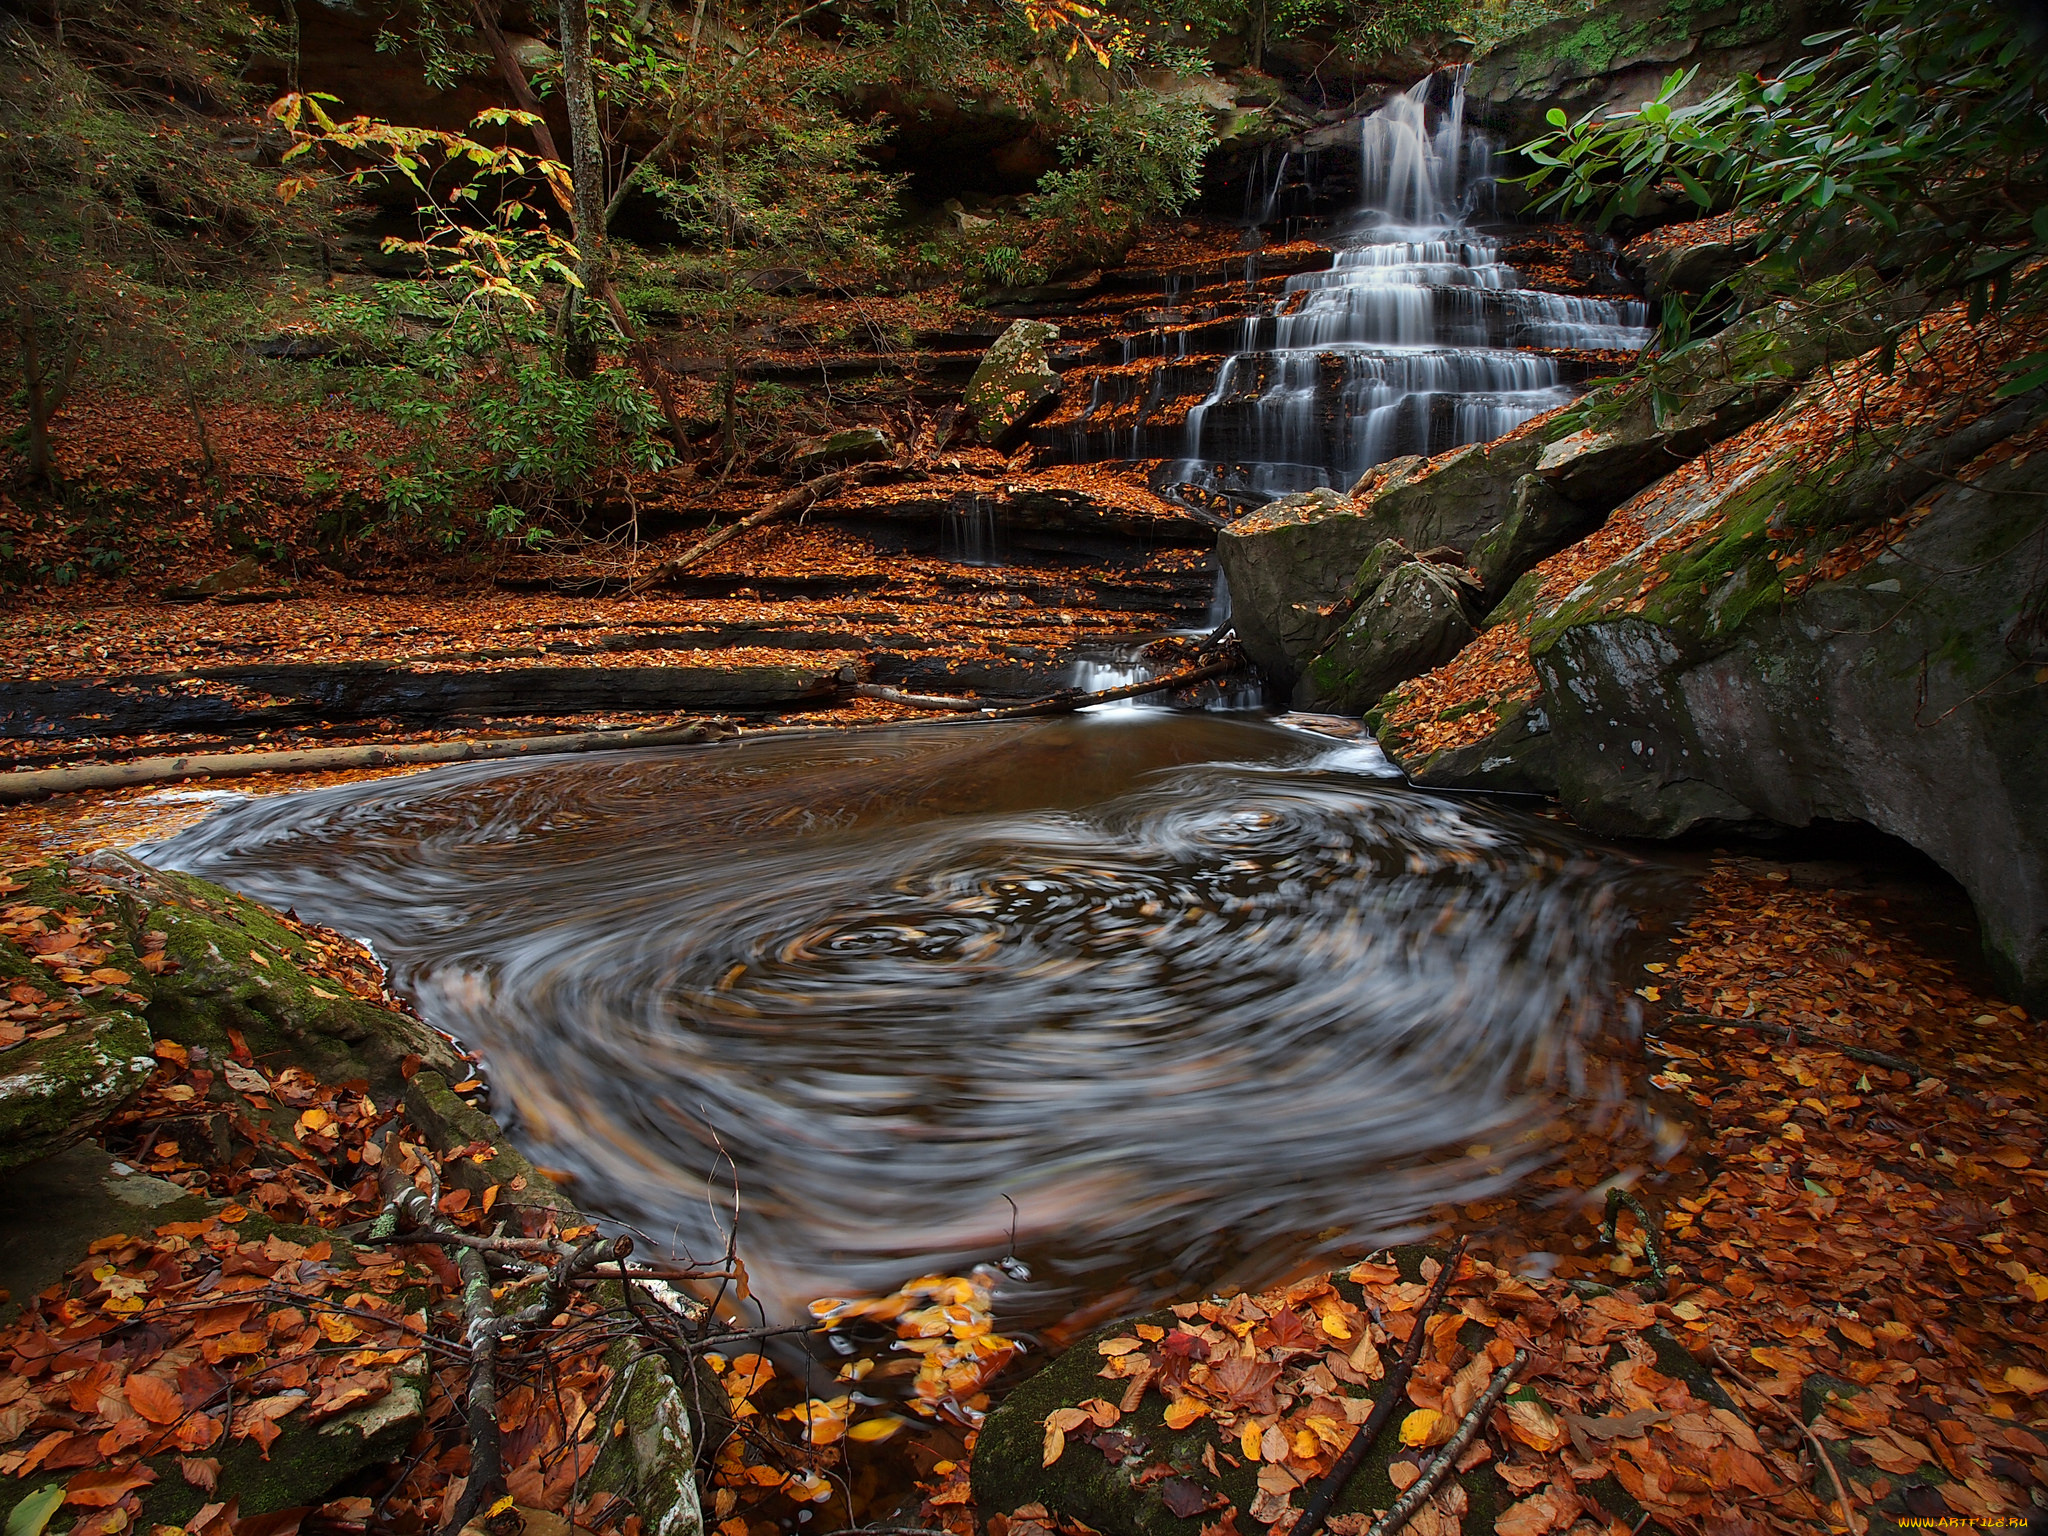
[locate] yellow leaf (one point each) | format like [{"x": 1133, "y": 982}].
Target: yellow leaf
[
  {"x": 874, "y": 1429},
  {"x": 1055, "y": 1443},
  {"x": 1534, "y": 1425},
  {"x": 2028, "y": 1380},
  {"x": 1180, "y": 1414},
  {"x": 339, "y": 1329},
  {"x": 1419, "y": 1426},
  {"x": 1248, "y": 1440},
  {"x": 1121, "y": 1345}
]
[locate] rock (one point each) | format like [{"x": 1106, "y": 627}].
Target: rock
[
  {"x": 167, "y": 957},
  {"x": 859, "y": 445},
  {"x": 1702, "y": 680},
  {"x": 1015, "y": 383},
  {"x": 59, "y": 1091},
  {"x": 1416, "y": 619},
  {"x": 1540, "y": 521},
  {"x": 1129, "y": 1480},
  {"x": 447, "y": 1121},
  {"x": 654, "y": 1462},
  {"x": 1289, "y": 565},
  {"x": 231, "y": 967},
  {"x": 238, "y": 577},
  {"x": 1691, "y": 257},
  {"x": 1513, "y": 759},
  {"x": 1619, "y": 53},
  {"x": 53, "y": 1210}
]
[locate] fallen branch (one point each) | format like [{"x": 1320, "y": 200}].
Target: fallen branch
[
  {"x": 1419, "y": 1491},
  {"x": 919, "y": 700},
  {"x": 1068, "y": 700},
  {"x": 782, "y": 506},
  {"x": 1808, "y": 1038},
  {"x": 1820, "y": 1451},
  {"x": 39, "y": 783},
  {"x": 1394, "y": 1395}
]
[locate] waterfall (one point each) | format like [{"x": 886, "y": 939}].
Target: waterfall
[
  {"x": 969, "y": 533},
  {"x": 1417, "y": 339}
]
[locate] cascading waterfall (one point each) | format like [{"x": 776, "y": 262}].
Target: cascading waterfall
[{"x": 1413, "y": 342}]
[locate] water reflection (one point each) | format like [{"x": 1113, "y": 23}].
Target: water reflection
[{"x": 1201, "y": 994}]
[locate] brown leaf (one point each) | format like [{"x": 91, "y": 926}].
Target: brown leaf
[
  {"x": 103, "y": 1487},
  {"x": 154, "y": 1398},
  {"x": 202, "y": 1472}
]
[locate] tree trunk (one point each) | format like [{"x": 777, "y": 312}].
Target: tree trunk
[
  {"x": 586, "y": 174},
  {"x": 45, "y": 394}
]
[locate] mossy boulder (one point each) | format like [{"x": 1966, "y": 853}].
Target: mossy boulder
[
  {"x": 100, "y": 959},
  {"x": 1417, "y": 618},
  {"x": 1617, "y": 54},
  {"x": 1015, "y": 383},
  {"x": 1842, "y": 630}
]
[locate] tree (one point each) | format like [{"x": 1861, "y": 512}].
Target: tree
[{"x": 587, "y": 177}]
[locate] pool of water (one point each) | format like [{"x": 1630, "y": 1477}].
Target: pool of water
[{"x": 1204, "y": 996}]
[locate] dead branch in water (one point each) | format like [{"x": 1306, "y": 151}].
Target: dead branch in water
[{"x": 1066, "y": 701}]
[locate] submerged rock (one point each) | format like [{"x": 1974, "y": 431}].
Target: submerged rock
[{"x": 1014, "y": 384}]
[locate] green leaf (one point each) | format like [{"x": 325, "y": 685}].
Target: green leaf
[
  {"x": 1556, "y": 118},
  {"x": 2035, "y": 376},
  {"x": 33, "y": 1513}
]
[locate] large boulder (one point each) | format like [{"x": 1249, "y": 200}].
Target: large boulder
[
  {"x": 1619, "y": 53},
  {"x": 1416, "y": 619},
  {"x": 1015, "y": 383},
  {"x": 100, "y": 960},
  {"x": 1838, "y": 619}
]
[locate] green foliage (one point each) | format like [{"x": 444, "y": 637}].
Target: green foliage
[
  {"x": 495, "y": 437},
  {"x": 1927, "y": 125},
  {"x": 1133, "y": 158}
]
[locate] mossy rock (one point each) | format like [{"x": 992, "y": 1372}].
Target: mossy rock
[
  {"x": 58, "y": 1089},
  {"x": 236, "y": 968},
  {"x": 1015, "y": 383},
  {"x": 1128, "y": 1497}
]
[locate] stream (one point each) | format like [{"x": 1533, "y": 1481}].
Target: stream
[{"x": 1203, "y": 995}]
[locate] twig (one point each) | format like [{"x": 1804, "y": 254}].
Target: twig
[
  {"x": 1419, "y": 1491},
  {"x": 1317, "y": 1510},
  {"x": 482, "y": 1332},
  {"x": 1820, "y": 1451},
  {"x": 1807, "y": 1037},
  {"x": 1617, "y": 1197}
]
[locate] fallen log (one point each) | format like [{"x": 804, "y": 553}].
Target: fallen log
[
  {"x": 40, "y": 783},
  {"x": 782, "y": 506},
  {"x": 919, "y": 700}
]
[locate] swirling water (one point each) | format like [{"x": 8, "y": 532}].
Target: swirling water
[{"x": 1203, "y": 995}]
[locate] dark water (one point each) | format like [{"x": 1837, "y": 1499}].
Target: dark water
[{"x": 1203, "y": 995}]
